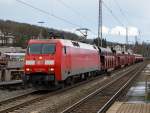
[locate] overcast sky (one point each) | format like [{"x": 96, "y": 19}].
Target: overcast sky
[{"x": 84, "y": 13}]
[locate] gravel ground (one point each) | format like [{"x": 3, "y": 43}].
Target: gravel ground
[
  {"x": 6, "y": 94},
  {"x": 57, "y": 103}
]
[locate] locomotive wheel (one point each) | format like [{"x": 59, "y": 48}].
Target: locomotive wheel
[
  {"x": 86, "y": 76},
  {"x": 69, "y": 81},
  {"x": 82, "y": 77},
  {"x": 62, "y": 85},
  {"x": 108, "y": 73}
]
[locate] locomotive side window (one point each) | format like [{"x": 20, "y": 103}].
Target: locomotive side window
[{"x": 41, "y": 49}]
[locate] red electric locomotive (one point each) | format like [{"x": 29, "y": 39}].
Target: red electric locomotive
[{"x": 55, "y": 61}]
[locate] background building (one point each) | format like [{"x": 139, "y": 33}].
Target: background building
[{"x": 6, "y": 39}]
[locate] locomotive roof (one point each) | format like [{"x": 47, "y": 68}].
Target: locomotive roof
[
  {"x": 105, "y": 50},
  {"x": 138, "y": 55},
  {"x": 119, "y": 52},
  {"x": 126, "y": 53},
  {"x": 66, "y": 42},
  {"x": 81, "y": 45}
]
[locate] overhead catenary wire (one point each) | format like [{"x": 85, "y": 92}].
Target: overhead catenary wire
[
  {"x": 113, "y": 15},
  {"x": 121, "y": 11},
  {"x": 47, "y": 13},
  {"x": 51, "y": 14},
  {"x": 124, "y": 14},
  {"x": 72, "y": 9},
  {"x": 75, "y": 12},
  {"x": 118, "y": 20}
]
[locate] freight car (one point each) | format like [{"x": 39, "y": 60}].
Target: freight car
[
  {"x": 55, "y": 62},
  {"x": 107, "y": 59},
  {"x": 138, "y": 58}
]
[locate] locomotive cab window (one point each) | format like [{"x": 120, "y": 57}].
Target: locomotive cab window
[
  {"x": 41, "y": 49},
  {"x": 48, "y": 49},
  {"x": 34, "y": 49}
]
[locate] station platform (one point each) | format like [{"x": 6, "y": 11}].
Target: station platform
[
  {"x": 125, "y": 107},
  {"x": 13, "y": 82}
]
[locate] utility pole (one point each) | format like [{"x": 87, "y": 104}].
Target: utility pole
[
  {"x": 126, "y": 38},
  {"x": 40, "y": 34},
  {"x": 138, "y": 36},
  {"x": 136, "y": 40},
  {"x": 100, "y": 34}
]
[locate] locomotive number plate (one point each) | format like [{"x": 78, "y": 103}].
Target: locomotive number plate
[
  {"x": 39, "y": 62},
  {"x": 39, "y": 70}
]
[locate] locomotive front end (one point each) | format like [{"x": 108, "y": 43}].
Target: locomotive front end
[{"x": 39, "y": 66}]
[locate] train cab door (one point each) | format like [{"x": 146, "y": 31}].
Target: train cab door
[
  {"x": 65, "y": 63},
  {"x": 68, "y": 60}
]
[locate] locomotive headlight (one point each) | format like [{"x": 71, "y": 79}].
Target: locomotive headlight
[
  {"x": 40, "y": 57},
  {"x": 30, "y": 62},
  {"x": 51, "y": 69},
  {"x": 49, "y": 62},
  {"x": 27, "y": 69}
]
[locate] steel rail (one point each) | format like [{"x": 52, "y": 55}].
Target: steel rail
[
  {"x": 113, "y": 98},
  {"x": 42, "y": 97},
  {"x": 79, "y": 103}
]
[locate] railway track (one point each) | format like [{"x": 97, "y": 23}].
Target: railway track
[
  {"x": 12, "y": 103},
  {"x": 17, "y": 102},
  {"x": 32, "y": 97},
  {"x": 100, "y": 100},
  {"x": 14, "y": 84}
]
